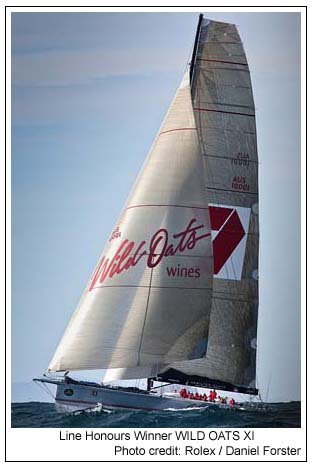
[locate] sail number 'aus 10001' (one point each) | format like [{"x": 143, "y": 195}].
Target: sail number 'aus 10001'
[{"x": 240, "y": 183}]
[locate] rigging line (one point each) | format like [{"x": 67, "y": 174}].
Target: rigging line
[
  {"x": 45, "y": 388},
  {"x": 230, "y": 69},
  {"x": 235, "y": 300},
  {"x": 165, "y": 205},
  {"x": 230, "y": 54},
  {"x": 221, "y": 42},
  {"x": 257, "y": 362},
  {"x": 224, "y": 293},
  {"x": 236, "y": 87},
  {"x": 223, "y": 61},
  {"x": 223, "y": 112},
  {"x": 236, "y": 131},
  {"x": 267, "y": 391},
  {"x": 151, "y": 287},
  {"x": 145, "y": 317},
  {"x": 233, "y": 105}
]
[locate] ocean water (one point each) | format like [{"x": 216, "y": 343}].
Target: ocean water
[{"x": 44, "y": 415}]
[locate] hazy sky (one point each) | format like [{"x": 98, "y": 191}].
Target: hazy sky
[{"x": 88, "y": 95}]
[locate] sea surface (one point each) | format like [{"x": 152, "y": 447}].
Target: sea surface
[{"x": 44, "y": 415}]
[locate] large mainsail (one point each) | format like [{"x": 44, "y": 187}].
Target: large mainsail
[
  {"x": 225, "y": 118},
  {"x": 149, "y": 298}
]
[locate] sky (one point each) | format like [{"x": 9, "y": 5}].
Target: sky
[{"x": 89, "y": 92}]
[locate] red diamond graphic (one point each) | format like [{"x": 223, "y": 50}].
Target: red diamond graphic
[{"x": 227, "y": 222}]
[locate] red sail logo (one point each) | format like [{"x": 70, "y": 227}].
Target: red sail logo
[
  {"x": 226, "y": 221},
  {"x": 129, "y": 253}
]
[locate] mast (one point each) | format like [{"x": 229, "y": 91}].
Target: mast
[{"x": 195, "y": 47}]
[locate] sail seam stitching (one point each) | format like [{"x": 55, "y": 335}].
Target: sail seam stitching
[
  {"x": 223, "y": 112},
  {"x": 233, "y": 105},
  {"x": 227, "y": 68},
  {"x": 223, "y": 61},
  {"x": 179, "y": 129},
  {"x": 230, "y": 158},
  {"x": 166, "y": 205},
  {"x": 154, "y": 287},
  {"x": 231, "y": 191},
  {"x": 210, "y": 128}
]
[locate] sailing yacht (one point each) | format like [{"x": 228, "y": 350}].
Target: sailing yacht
[{"x": 174, "y": 296}]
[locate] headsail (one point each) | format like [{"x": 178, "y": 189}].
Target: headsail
[
  {"x": 225, "y": 118},
  {"x": 149, "y": 298},
  {"x": 129, "y": 373}
]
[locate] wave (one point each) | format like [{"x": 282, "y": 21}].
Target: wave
[
  {"x": 93, "y": 409},
  {"x": 189, "y": 408},
  {"x": 44, "y": 415}
]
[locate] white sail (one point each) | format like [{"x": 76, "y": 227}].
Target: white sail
[
  {"x": 149, "y": 298},
  {"x": 128, "y": 373}
]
